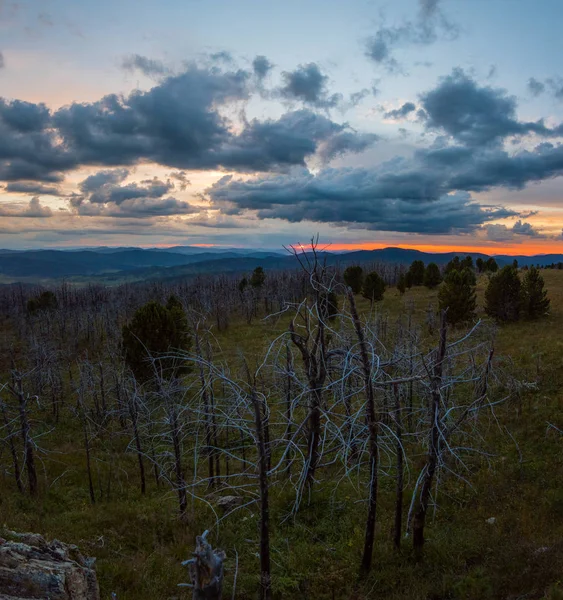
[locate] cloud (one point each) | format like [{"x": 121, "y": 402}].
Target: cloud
[
  {"x": 355, "y": 197},
  {"x": 2, "y": 61},
  {"x": 430, "y": 25},
  {"x": 501, "y": 233},
  {"x": 179, "y": 123},
  {"x": 102, "y": 178},
  {"x": 33, "y": 210},
  {"x": 36, "y": 189},
  {"x": 261, "y": 67},
  {"x": 147, "y": 66},
  {"x": 535, "y": 87},
  {"x": 308, "y": 85},
  {"x": 104, "y": 195},
  {"x": 476, "y": 115},
  {"x": 400, "y": 113},
  {"x": 182, "y": 179}
]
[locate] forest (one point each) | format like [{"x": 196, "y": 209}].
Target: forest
[{"x": 379, "y": 431}]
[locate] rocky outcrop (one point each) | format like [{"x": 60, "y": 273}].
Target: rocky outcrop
[{"x": 32, "y": 568}]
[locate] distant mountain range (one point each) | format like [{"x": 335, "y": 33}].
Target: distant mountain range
[{"x": 113, "y": 265}]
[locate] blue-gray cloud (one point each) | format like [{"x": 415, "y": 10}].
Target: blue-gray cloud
[
  {"x": 2, "y": 61},
  {"x": 476, "y": 115},
  {"x": 104, "y": 195},
  {"x": 535, "y": 87},
  {"x": 309, "y": 85},
  {"x": 430, "y": 24},
  {"x": 147, "y": 66},
  {"x": 178, "y": 123},
  {"x": 261, "y": 67},
  {"x": 400, "y": 113},
  {"x": 32, "y": 188}
]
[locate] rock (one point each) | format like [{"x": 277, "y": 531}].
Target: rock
[
  {"x": 31, "y": 567},
  {"x": 227, "y": 503},
  {"x": 491, "y": 521}
]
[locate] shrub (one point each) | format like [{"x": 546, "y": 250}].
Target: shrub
[
  {"x": 432, "y": 276},
  {"x": 502, "y": 296},
  {"x": 535, "y": 302},
  {"x": 374, "y": 288},
  {"x": 457, "y": 295},
  {"x": 45, "y": 301},
  {"x": 153, "y": 331},
  {"x": 354, "y": 278}
]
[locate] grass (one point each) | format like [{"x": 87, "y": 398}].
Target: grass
[{"x": 139, "y": 541}]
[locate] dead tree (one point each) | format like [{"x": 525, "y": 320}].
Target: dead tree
[
  {"x": 373, "y": 432},
  {"x": 434, "y": 441},
  {"x": 206, "y": 570}
]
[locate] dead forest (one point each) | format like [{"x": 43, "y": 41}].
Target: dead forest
[{"x": 375, "y": 414}]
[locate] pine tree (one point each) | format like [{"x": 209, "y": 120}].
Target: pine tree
[
  {"x": 453, "y": 265},
  {"x": 457, "y": 295},
  {"x": 402, "y": 283},
  {"x": 354, "y": 278},
  {"x": 156, "y": 330},
  {"x": 45, "y": 301},
  {"x": 535, "y": 302},
  {"x": 480, "y": 264},
  {"x": 374, "y": 287},
  {"x": 417, "y": 272},
  {"x": 491, "y": 265},
  {"x": 258, "y": 277},
  {"x": 502, "y": 296},
  {"x": 432, "y": 276}
]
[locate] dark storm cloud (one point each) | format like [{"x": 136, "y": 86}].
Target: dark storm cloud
[
  {"x": 309, "y": 85},
  {"x": 427, "y": 28},
  {"x": 402, "y": 112},
  {"x": 427, "y": 194},
  {"x": 476, "y": 115},
  {"x": 147, "y": 66},
  {"x": 288, "y": 141},
  {"x": 35, "y": 189},
  {"x": 261, "y": 66},
  {"x": 356, "y": 197},
  {"x": 178, "y": 123},
  {"x": 535, "y": 87}
]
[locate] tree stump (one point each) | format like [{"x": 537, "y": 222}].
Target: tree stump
[{"x": 206, "y": 570}]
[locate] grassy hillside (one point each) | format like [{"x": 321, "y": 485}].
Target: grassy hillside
[{"x": 139, "y": 541}]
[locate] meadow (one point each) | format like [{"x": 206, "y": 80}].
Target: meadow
[{"x": 494, "y": 532}]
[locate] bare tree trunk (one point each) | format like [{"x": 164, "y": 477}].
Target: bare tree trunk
[
  {"x": 265, "y": 573},
  {"x": 400, "y": 474},
  {"x": 419, "y": 518},
  {"x": 134, "y": 415},
  {"x": 10, "y": 436},
  {"x": 373, "y": 429},
  {"x": 29, "y": 457},
  {"x": 181, "y": 484},
  {"x": 288, "y": 415}
]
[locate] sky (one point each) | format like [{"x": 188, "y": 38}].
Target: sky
[{"x": 429, "y": 124}]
